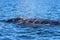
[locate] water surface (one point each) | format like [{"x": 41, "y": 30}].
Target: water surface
[{"x": 45, "y": 9}]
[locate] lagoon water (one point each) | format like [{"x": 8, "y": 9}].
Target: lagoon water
[{"x": 45, "y": 9}]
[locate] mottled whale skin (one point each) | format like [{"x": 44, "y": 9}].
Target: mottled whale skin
[{"x": 32, "y": 21}]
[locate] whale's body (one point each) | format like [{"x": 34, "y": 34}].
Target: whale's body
[{"x": 33, "y": 21}]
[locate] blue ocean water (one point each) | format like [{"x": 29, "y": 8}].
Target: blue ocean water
[{"x": 45, "y": 9}]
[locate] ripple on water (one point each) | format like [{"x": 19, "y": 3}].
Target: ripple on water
[
  {"x": 6, "y": 38},
  {"x": 25, "y": 37}
]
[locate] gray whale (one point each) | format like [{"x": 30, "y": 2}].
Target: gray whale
[{"x": 33, "y": 21}]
